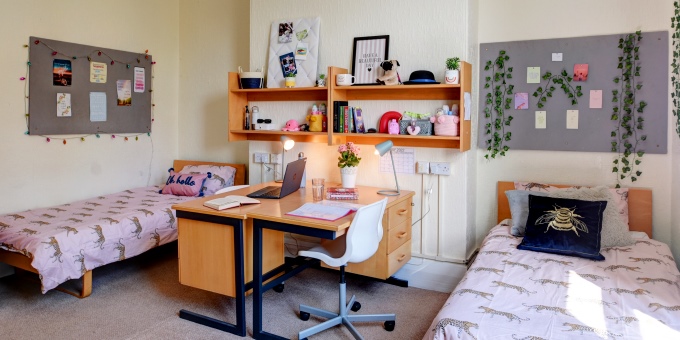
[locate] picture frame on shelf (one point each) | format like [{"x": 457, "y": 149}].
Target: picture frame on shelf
[{"x": 367, "y": 54}]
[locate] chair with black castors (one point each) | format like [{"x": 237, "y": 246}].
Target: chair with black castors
[{"x": 357, "y": 245}]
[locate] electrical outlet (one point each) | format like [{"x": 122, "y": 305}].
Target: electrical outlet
[
  {"x": 423, "y": 167},
  {"x": 440, "y": 168},
  {"x": 257, "y": 157},
  {"x": 265, "y": 157},
  {"x": 275, "y": 158}
]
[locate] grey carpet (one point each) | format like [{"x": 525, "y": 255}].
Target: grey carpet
[{"x": 140, "y": 298}]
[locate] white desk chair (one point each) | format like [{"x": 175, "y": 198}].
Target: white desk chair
[{"x": 357, "y": 245}]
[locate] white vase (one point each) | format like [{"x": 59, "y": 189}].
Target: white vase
[
  {"x": 452, "y": 77},
  {"x": 348, "y": 175}
]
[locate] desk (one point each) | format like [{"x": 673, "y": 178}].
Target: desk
[{"x": 256, "y": 233}]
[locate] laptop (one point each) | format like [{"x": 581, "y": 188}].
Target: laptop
[{"x": 291, "y": 182}]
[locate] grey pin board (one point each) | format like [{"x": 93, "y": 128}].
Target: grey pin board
[
  {"x": 63, "y": 90},
  {"x": 594, "y": 124}
]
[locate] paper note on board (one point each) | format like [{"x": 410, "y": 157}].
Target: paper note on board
[
  {"x": 572, "y": 119},
  {"x": 468, "y": 102},
  {"x": 63, "y": 105},
  {"x": 140, "y": 81},
  {"x": 97, "y": 106},
  {"x": 533, "y": 75},
  {"x": 595, "y": 99},
  {"x": 521, "y": 101},
  {"x": 540, "y": 120},
  {"x": 556, "y": 56},
  {"x": 97, "y": 72}
]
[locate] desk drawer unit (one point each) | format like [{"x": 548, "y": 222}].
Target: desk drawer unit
[{"x": 395, "y": 248}]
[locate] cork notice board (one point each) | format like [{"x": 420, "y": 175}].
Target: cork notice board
[
  {"x": 69, "y": 94},
  {"x": 594, "y": 123}
]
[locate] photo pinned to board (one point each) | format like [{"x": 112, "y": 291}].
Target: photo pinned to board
[
  {"x": 288, "y": 66},
  {"x": 61, "y": 72},
  {"x": 521, "y": 101},
  {"x": 301, "y": 51},
  {"x": 580, "y": 72},
  {"x": 285, "y": 32}
]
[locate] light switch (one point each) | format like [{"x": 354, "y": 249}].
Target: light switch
[
  {"x": 540, "y": 120},
  {"x": 572, "y": 119}
]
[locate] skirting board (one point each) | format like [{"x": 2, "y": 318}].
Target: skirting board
[{"x": 6, "y": 270}]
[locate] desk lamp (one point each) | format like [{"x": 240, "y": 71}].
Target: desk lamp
[
  {"x": 382, "y": 149},
  {"x": 288, "y": 144}
]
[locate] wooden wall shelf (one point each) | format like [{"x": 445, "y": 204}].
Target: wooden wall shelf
[{"x": 239, "y": 98}]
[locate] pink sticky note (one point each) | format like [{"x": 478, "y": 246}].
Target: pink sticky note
[
  {"x": 595, "y": 99},
  {"x": 521, "y": 101}
]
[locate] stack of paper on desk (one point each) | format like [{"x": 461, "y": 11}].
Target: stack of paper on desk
[
  {"x": 321, "y": 211},
  {"x": 229, "y": 202}
]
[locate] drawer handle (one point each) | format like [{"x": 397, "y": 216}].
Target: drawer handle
[
  {"x": 401, "y": 258},
  {"x": 402, "y": 234},
  {"x": 402, "y": 212}
]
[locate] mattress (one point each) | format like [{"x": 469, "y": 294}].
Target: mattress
[
  {"x": 66, "y": 241},
  {"x": 517, "y": 294}
]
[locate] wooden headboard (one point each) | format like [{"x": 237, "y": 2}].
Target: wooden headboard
[
  {"x": 639, "y": 206},
  {"x": 239, "y": 176}
]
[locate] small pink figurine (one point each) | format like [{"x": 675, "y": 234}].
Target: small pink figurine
[
  {"x": 291, "y": 125},
  {"x": 393, "y": 127}
]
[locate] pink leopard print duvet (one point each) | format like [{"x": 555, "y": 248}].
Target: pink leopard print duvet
[{"x": 67, "y": 240}]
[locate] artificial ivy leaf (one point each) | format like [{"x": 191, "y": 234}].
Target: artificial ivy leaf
[
  {"x": 543, "y": 99},
  {"x": 633, "y": 179},
  {"x": 615, "y": 117},
  {"x": 644, "y": 137},
  {"x": 574, "y": 102},
  {"x": 509, "y": 76},
  {"x": 539, "y": 89},
  {"x": 540, "y": 105},
  {"x": 640, "y": 153},
  {"x": 615, "y": 169},
  {"x": 616, "y": 80},
  {"x": 637, "y": 162},
  {"x": 564, "y": 73},
  {"x": 535, "y": 94},
  {"x": 549, "y": 94},
  {"x": 486, "y": 68},
  {"x": 613, "y": 134},
  {"x": 486, "y": 86},
  {"x": 578, "y": 88},
  {"x": 505, "y": 148},
  {"x": 509, "y": 69}
]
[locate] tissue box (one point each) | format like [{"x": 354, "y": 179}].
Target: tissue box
[{"x": 426, "y": 127}]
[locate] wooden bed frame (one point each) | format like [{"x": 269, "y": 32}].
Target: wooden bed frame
[
  {"x": 639, "y": 206},
  {"x": 23, "y": 262}
]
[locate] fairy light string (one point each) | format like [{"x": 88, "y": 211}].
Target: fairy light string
[{"x": 112, "y": 61}]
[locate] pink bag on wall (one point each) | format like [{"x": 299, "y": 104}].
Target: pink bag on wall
[{"x": 446, "y": 125}]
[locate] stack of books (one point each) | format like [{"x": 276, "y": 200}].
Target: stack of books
[
  {"x": 347, "y": 119},
  {"x": 336, "y": 193}
]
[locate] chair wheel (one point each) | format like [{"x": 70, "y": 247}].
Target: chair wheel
[
  {"x": 356, "y": 306},
  {"x": 389, "y": 325},
  {"x": 304, "y": 316},
  {"x": 279, "y": 288}
]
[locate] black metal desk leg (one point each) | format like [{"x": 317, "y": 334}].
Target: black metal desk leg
[
  {"x": 258, "y": 290},
  {"x": 240, "y": 327}
]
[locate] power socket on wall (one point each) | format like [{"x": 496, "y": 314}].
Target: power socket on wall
[
  {"x": 275, "y": 158},
  {"x": 440, "y": 168}
]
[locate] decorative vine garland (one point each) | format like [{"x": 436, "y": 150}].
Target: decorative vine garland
[
  {"x": 564, "y": 81},
  {"x": 628, "y": 112},
  {"x": 675, "y": 23},
  {"x": 495, "y": 105}
]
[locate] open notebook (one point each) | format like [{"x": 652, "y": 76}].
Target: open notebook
[{"x": 229, "y": 202}]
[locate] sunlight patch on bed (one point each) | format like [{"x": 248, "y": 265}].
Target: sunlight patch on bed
[
  {"x": 584, "y": 301},
  {"x": 653, "y": 328}
]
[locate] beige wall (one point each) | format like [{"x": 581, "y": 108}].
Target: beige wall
[
  {"x": 422, "y": 36},
  {"x": 37, "y": 173},
  {"x": 213, "y": 40},
  {"x": 540, "y": 19}
]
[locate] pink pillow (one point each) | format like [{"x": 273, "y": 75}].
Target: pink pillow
[
  {"x": 620, "y": 195},
  {"x": 184, "y": 184}
]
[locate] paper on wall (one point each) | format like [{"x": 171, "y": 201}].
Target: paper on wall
[
  {"x": 63, "y": 105},
  {"x": 97, "y": 106},
  {"x": 468, "y": 103}
]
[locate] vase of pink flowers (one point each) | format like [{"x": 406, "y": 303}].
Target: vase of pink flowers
[{"x": 348, "y": 162}]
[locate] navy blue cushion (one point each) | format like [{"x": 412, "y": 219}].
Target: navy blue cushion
[{"x": 564, "y": 226}]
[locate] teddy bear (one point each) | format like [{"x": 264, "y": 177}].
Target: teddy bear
[
  {"x": 391, "y": 76},
  {"x": 291, "y": 125}
]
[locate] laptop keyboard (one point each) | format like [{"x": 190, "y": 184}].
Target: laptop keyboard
[{"x": 266, "y": 192}]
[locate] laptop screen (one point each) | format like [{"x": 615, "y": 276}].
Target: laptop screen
[{"x": 293, "y": 176}]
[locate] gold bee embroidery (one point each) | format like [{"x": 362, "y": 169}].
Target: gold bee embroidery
[{"x": 563, "y": 219}]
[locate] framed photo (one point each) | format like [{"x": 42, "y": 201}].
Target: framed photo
[{"x": 368, "y": 53}]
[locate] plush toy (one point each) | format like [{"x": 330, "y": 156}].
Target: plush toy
[
  {"x": 391, "y": 76},
  {"x": 315, "y": 120},
  {"x": 291, "y": 125},
  {"x": 393, "y": 127},
  {"x": 445, "y": 125}
]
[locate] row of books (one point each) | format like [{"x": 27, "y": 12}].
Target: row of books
[
  {"x": 347, "y": 119},
  {"x": 335, "y": 193}
]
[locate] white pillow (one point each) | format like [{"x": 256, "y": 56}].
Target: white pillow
[{"x": 614, "y": 231}]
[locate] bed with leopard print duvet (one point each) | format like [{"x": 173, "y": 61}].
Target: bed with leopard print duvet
[
  {"x": 68, "y": 241},
  {"x": 509, "y": 293}
]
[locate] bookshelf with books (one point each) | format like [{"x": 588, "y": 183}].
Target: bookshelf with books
[{"x": 239, "y": 98}]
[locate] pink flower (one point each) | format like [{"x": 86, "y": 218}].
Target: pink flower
[{"x": 342, "y": 148}]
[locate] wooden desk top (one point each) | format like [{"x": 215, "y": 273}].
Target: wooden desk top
[{"x": 275, "y": 209}]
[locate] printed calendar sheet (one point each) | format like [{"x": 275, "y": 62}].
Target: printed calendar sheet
[{"x": 404, "y": 161}]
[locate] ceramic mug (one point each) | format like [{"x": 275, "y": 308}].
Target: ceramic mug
[{"x": 344, "y": 79}]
